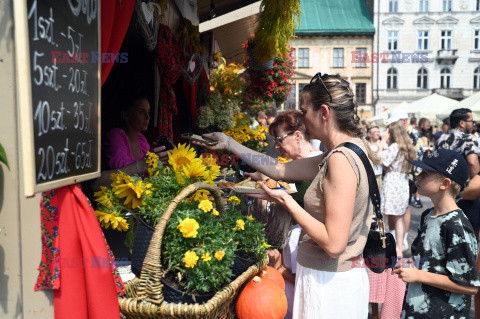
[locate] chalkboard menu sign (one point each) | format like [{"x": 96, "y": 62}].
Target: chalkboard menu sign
[{"x": 63, "y": 77}]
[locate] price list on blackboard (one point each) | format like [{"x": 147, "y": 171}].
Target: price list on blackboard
[{"x": 63, "y": 39}]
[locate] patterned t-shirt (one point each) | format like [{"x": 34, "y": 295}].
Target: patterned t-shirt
[
  {"x": 445, "y": 245},
  {"x": 459, "y": 141}
]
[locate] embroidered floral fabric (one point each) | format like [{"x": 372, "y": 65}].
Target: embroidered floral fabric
[{"x": 51, "y": 263}]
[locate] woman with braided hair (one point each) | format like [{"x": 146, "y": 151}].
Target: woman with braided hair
[{"x": 337, "y": 209}]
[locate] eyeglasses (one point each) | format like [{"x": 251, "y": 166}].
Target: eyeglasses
[
  {"x": 315, "y": 79},
  {"x": 279, "y": 139}
]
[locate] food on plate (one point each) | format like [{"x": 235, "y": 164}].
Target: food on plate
[
  {"x": 284, "y": 184},
  {"x": 273, "y": 184},
  {"x": 225, "y": 184},
  {"x": 243, "y": 182}
]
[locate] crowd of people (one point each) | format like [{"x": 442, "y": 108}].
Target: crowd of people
[{"x": 332, "y": 212}]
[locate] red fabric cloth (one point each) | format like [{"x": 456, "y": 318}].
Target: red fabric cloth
[
  {"x": 87, "y": 283},
  {"x": 116, "y": 15},
  {"x": 169, "y": 60}
]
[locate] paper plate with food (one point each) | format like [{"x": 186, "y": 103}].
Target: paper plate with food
[{"x": 253, "y": 187}]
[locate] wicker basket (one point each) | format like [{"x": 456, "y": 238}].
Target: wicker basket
[{"x": 144, "y": 298}]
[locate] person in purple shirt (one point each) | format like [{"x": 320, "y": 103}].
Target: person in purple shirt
[{"x": 125, "y": 148}]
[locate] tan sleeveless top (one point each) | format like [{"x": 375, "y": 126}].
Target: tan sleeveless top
[{"x": 310, "y": 254}]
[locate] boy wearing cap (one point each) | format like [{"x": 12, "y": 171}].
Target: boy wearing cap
[{"x": 443, "y": 271}]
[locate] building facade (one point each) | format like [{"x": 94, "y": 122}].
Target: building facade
[
  {"x": 334, "y": 46},
  {"x": 425, "y": 46}
]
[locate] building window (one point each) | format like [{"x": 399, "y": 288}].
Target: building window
[
  {"x": 303, "y": 57},
  {"x": 290, "y": 103},
  {"x": 392, "y": 39},
  {"x": 393, "y": 6},
  {"x": 445, "y": 78},
  {"x": 424, "y": 6},
  {"x": 476, "y": 40},
  {"x": 446, "y": 40},
  {"x": 422, "y": 79},
  {"x": 447, "y": 5},
  {"x": 422, "y": 42},
  {"x": 338, "y": 58},
  {"x": 361, "y": 93},
  {"x": 476, "y": 78},
  {"x": 392, "y": 78},
  {"x": 300, "y": 88},
  {"x": 361, "y": 54},
  {"x": 477, "y": 7}
]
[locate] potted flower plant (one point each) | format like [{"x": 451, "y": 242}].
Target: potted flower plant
[{"x": 199, "y": 243}]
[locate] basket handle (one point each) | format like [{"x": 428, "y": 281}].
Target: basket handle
[{"x": 150, "y": 286}]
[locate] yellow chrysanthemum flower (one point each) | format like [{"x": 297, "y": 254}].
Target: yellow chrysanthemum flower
[
  {"x": 219, "y": 255},
  {"x": 250, "y": 217},
  {"x": 240, "y": 224},
  {"x": 215, "y": 212},
  {"x": 190, "y": 259},
  {"x": 206, "y": 257},
  {"x": 188, "y": 227},
  {"x": 102, "y": 197},
  {"x": 265, "y": 245},
  {"x": 234, "y": 199},
  {"x": 181, "y": 155},
  {"x": 205, "y": 205}
]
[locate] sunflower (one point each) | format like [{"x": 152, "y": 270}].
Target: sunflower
[
  {"x": 111, "y": 220},
  {"x": 120, "y": 178},
  {"x": 103, "y": 197},
  {"x": 195, "y": 170},
  {"x": 152, "y": 162},
  {"x": 181, "y": 155},
  {"x": 132, "y": 192}
]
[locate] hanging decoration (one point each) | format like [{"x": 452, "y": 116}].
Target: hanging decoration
[
  {"x": 266, "y": 88},
  {"x": 169, "y": 61},
  {"x": 146, "y": 16},
  {"x": 278, "y": 21}
]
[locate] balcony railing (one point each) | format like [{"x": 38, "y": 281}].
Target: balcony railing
[
  {"x": 445, "y": 56},
  {"x": 456, "y": 94}
]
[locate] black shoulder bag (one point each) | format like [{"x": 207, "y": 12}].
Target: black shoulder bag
[{"x": 380, "y": 252}]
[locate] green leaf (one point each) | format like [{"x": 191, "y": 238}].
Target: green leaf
[{"x": 3, "y": 156}]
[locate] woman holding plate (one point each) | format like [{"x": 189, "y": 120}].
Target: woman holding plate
[{"x": 337, "y": 210}]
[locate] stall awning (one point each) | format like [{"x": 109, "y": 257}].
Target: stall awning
[{"x": 232, "y": 29}]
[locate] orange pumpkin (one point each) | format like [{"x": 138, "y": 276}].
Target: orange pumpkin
[
  {"x": 274, "y": 275},
  {"x": 261, "y": 299}
]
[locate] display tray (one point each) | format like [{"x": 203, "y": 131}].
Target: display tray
[{"x": 252, "y": 190}]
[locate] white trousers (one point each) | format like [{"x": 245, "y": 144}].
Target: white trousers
[{"x": 325, "y": 295}]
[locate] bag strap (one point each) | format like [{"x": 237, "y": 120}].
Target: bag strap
[
  {"x": 373, "y": 189},
  {"x": 372, "y": 181}
]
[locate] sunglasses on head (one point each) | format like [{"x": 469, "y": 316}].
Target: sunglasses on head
[{"x": 318, "y": 77}]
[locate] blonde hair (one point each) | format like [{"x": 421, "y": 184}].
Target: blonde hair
[{"x": 399, "y": 135}]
